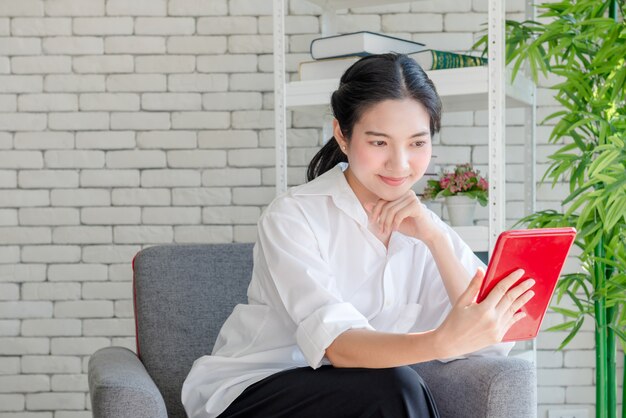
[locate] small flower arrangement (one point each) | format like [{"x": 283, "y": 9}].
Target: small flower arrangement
[{"x": 464, "y": 180}]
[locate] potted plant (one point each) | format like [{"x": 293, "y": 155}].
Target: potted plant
[
  {"x": 583, "y": 44},
  {"x": 461, "y": 189}
]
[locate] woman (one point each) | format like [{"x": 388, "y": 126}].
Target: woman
[{"x": 355, "y": 280}]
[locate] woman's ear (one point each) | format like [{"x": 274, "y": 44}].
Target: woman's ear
[{"x": 341, "y": 140}]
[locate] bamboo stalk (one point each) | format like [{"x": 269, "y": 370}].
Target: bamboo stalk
[
  {"x": 613, "y": 15},
  {"x": 611, "y": 312},
  {"x": 601, "y": 336},
  {"x": 613, "y": 9},
  {"x": 611, "y": 365},
  {"x": 611, "y": 348}
]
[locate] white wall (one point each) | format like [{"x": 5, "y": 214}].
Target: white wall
[{"x": 125, "y": 124}]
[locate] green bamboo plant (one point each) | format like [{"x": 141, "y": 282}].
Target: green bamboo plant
[{"x": 583, "y": 44}]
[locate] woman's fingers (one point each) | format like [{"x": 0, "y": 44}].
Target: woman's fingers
[
  {"x": 500, "y": 290},
  {"x": 404, "y": 214},
  {"x": 397, "y": 213},
  {"x": 378, "y": 206},
  {"x": 387, "y": 214},
  {"x": 519, "y": 303},
  {"x": 515, "y": 318},
  {"x": 511, "y": 298},
  {"x": 391, "y": 216}
]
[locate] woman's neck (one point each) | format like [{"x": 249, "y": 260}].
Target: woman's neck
[{"x": 361, "y": 192}]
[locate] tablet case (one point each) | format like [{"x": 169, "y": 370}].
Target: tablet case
[{"x": 541, "y": 253}]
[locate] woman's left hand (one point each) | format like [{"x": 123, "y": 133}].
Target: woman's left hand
[{"x": 406, "y": 215}]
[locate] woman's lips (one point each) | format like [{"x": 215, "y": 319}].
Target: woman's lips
[{"x": 393, "y": 181}]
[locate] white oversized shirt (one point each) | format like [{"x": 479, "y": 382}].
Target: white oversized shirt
[{"x": 319, "y": 271}]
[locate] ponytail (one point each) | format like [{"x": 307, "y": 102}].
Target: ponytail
[{"x": 325, "y": 159}]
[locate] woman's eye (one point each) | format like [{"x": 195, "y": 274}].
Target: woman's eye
[
  {"x": 419, "y": 143},
  {"x": 378, "y": 143}
]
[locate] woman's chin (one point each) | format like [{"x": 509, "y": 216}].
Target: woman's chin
[{"x": 391, "y": 194}]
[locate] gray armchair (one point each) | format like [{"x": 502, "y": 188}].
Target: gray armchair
[{"x": 183, "y": 294}]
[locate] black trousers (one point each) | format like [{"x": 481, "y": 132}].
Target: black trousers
[{"x": 330, "y": 392}]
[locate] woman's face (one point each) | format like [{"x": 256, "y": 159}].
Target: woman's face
[{"x": 389, "y": 151}]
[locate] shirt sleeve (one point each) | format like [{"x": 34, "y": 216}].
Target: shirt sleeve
[{"x": 303, "y": 282}]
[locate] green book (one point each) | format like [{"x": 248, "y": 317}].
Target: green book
[{"x": 432, "y": 59}]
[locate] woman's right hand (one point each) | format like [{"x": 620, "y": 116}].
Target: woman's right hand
[{"x": 471, "y": 326}]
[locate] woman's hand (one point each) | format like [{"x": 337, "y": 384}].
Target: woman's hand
[
  {"x": 406, "y": 215},
  {"x": 471, "y": 326}
]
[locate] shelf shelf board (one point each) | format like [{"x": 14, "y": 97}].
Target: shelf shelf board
[{"x": 460, "y": 89}]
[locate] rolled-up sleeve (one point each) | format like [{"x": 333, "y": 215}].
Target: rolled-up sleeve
[
  {"x": 319, "y": 330},
  {"x": 301, "y": 281}
]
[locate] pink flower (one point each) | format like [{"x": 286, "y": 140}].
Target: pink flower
[{"x": 462, "y": 179}]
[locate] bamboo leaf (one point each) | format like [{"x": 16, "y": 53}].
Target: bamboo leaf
[
  {"x": 602, "y": 162},
  {"x": 620, "y": 182},
  {"x": 561, "y": 327},
  {"x": 576, "y": 300},
  {"x": 566, "y": 312},
  {"x": 572, "y": 333},
  {"x": 615, "y": 211},
  {"x": 576, "y": 193}
]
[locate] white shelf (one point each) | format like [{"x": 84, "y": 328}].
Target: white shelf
[{"x": 460, "y": 89}]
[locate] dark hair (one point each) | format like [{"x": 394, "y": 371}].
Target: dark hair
[{"x": 369, "y": 81}]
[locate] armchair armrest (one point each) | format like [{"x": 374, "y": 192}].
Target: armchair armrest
[
  {"x": 120, "y": 386},
  {"x": 490, "y": 387}
]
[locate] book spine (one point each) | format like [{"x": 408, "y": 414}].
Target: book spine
[{"x": 443, "y": 60}]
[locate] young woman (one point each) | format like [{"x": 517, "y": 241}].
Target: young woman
[{"x": 354, "y": 279}]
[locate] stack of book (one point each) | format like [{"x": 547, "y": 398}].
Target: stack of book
[{"x": 333, "y": 55}]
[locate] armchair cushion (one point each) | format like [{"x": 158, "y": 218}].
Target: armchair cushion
[
  {"x": 482, "y": 387},
  {"x": 183, "y": 295}
]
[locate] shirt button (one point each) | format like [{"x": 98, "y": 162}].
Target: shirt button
[{"x": 387, "y": 303}]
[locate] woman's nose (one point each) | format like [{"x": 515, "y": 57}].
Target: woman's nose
[{"x": 398, "y": 161}]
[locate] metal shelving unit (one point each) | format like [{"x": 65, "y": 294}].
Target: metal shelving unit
[{"x": 460, "y": 89}]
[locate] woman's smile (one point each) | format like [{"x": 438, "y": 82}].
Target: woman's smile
[{"x": 393, "y": 181}]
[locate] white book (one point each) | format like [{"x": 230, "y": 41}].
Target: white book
[
  {"x": 326, "y": 68},
  {"x": 361, "y": 44}
]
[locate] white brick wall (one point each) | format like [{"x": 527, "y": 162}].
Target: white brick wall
[{"x": 125, "y": 124}]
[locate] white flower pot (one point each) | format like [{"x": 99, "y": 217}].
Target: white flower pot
[{"x": 460, "y": 210}]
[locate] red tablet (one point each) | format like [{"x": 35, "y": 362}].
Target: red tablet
[{"x": 541, "y": 253}]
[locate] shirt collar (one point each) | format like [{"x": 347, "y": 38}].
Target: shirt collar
[{"x": 333, "y": 183}]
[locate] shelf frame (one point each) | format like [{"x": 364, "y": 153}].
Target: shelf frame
[
  {"x": 497, "y": 121},
  {"x": 280, "y": 108},
  {"x": 500, "y": 95}
]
